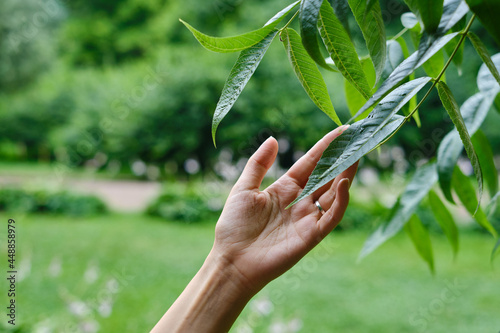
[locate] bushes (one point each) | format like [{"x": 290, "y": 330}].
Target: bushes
[
  {"x": 190, "y": 203},
  {"x": 65, "y": 203}
]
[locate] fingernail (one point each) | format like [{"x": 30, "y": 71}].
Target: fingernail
[{"x": 348, "y": 182}]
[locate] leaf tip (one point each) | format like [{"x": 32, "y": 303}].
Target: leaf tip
[{"x": 213, "y": 137}]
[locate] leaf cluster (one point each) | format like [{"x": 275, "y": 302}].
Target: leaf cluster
[{"x": 386, "y": 82}]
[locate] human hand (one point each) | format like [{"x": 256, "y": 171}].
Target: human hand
[{"x": 256, "y": 236}]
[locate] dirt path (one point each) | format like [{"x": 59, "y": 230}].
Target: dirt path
[{"x": 119, "y": 195}]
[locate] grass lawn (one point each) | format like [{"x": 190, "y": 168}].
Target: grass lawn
[{"x": 121, "y": 272}]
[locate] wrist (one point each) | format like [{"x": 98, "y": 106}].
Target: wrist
[{"x": 218, "y": 266}]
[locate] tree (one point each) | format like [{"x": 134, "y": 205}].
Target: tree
[{"x": 380, "y": 85}]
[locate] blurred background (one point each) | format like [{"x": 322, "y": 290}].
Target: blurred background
[{"x": 108, "y": 167}]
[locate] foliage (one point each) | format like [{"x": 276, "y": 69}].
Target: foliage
[
  {"x": 63, "y": 203},
  {"x": 186, "y": 204},
  {"x": 431, "y": 26}
]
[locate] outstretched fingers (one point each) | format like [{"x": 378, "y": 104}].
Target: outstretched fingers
[
  {"x": 258, "y": 165},
  {"x": 302, "y": 169}
]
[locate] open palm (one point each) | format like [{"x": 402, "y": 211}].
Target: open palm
[{"x": 257, "y": 234}]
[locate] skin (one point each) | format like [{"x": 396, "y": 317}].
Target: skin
[{"x": 257, "y": 239}]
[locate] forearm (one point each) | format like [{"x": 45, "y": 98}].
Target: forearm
[{"x": 210, "y": 303}]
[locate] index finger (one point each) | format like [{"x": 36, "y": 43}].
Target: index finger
[{"x": 303, "y": 168}]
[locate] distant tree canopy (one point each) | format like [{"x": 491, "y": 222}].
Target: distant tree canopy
[{"x": 125, "y": 79}]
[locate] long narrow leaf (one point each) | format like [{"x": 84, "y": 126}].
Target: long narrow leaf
[
  {"x": 369, "y": 19},
  {"x": 453, "y": 11},
  {"x": 308, "y": 17},
  {"x": 413, "y": 102},
  {"x": 474, "y": 111},
  {"x": 483, "y": 53},
  {"x": 353, "y": 97},
  {"x": 485, "y": 79},
  {"x": 429, "y": 11},
  {"x": 361, "y": 137},
  {"x": 394, "y": 57},
  {"x": 458, "y": 59},
  {"x": 420, "y": 184},
  {"x": 451, "y": 106},
  {"x": 492, "y": 206},
  {"x": 487, "y": 11},
  {"x": 308, "y": 74},
  {"x": 240, "y": 42},
  {"x": 342, "y": 12},
  {"x": 345, "y": 151},
  {"x": 445, "y": 220},
  {"x": 485, "y": 155},
  {"x": 467, "y": 195},
  {"x": 434, "y": 65},
  {"x": 403, "y": 70},
  {"x": 248, "y": 61},
  {"x": 342, "y": 50},
  {"x": 495, "y": 250},
  {"x": 421, "y": 239}
]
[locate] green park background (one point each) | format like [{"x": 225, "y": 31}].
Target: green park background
[{"x": 108, "y": 167}]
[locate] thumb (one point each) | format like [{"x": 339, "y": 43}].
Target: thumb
[{"x": 258, "y": 165}]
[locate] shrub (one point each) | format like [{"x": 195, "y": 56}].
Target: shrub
[
  {"x": 186, "y": 204},
  {"x": 64, "y": 203}
]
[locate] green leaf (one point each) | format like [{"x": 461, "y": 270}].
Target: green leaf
[
  {"x": 467, "y": 195},
  {"x": 492, "y": 206},
  {"x": 342, "y": 50},
  {"x": 445, "y": 220},
  {"x": 354, "y": 99},
  {"x": 496, "y": 249},
  {"x": 410, "y": 22},
  {"x": 248, "y": 61},
  {"x": 413, "y": 102},
  {"x": 308, "y": 17},
  {"x": 308, "y": 74},
  {"x": 421, "y": 239},
  {"x": 474, "y": 111},
  {"x": 421, "y": 183},
  {"x": 342, "y": 11},
  {"x": 434, "y": 65},
  {"x": 451, "y": 106},
  {"x": 356, "y": 141},
  {"x": 372, "y": 26},
  {"x": 488, "y": 72},
  {"x": 395, "y": 56},
  {"x": 453, "y": 12},
  {"x": 487, "y": 12},
  {"x": 485, "y": 155},
  {"x": 429, "y": 12},
  {"x": 361, "y": 137},
  {"x": 459, "y": 55},
  {"x": 240, "y": 42},
  {"x": 403, "y": 70}
]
